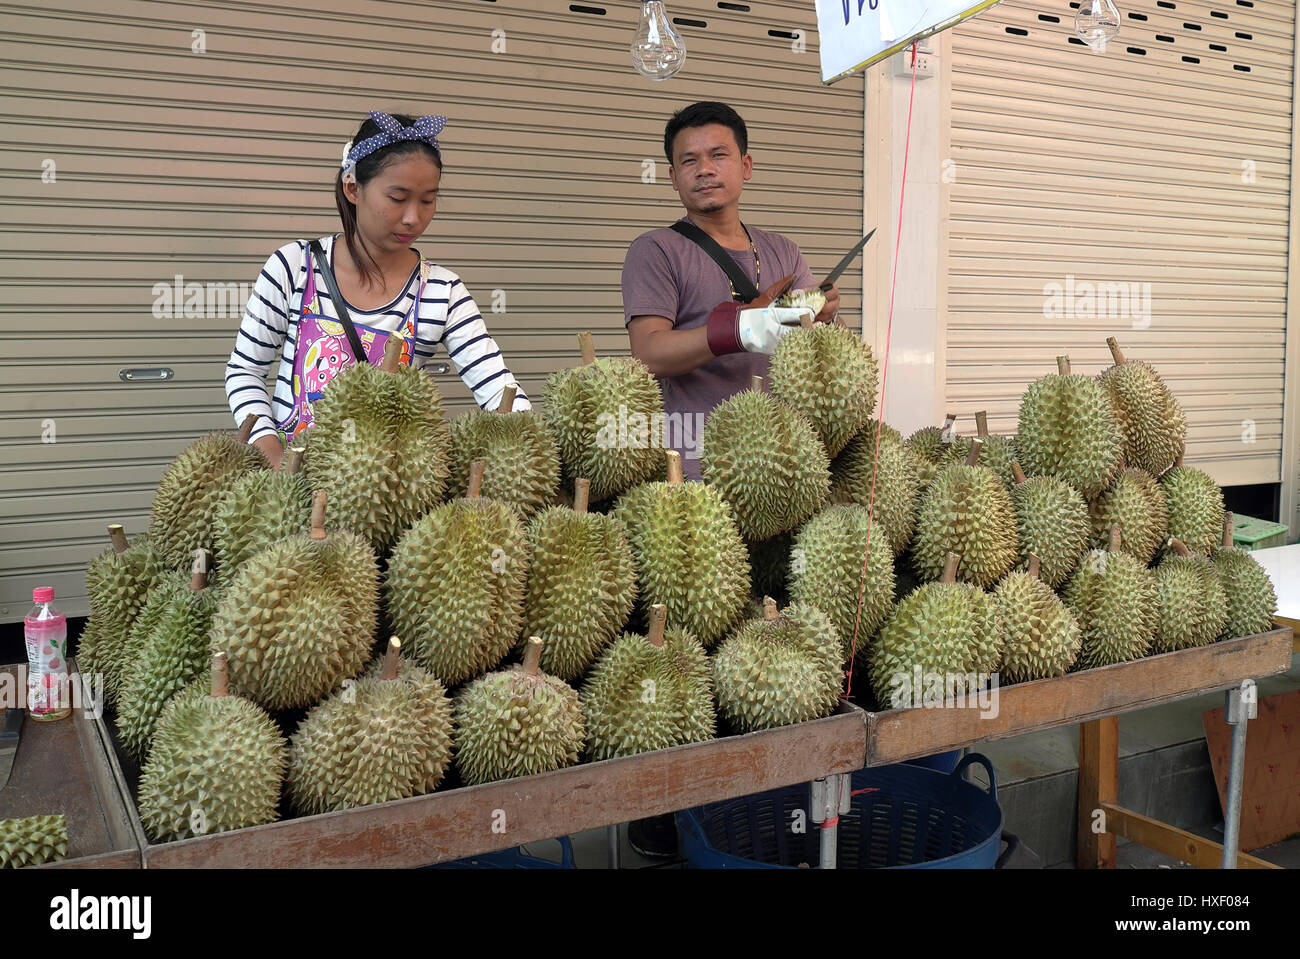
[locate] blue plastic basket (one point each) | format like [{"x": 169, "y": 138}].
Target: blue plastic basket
[
  {"x": 515, "y": 858},
  {"x": 904, "y": 817}
]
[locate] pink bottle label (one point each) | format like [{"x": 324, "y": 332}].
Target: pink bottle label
[{"x": 47, "y": 669}]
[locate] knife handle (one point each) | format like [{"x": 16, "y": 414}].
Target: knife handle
[{"x": 13, "y": 724}]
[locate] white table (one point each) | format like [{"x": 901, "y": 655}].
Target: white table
[{"x": 1282, "y": 563}]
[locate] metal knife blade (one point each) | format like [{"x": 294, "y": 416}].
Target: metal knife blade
[
  {"x": 9, "y": 736},
  {"x": 843, "y": 265}
]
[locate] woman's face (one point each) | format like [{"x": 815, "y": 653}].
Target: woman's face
[{"x": 394, "y": 208}]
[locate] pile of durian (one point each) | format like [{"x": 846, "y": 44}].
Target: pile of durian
[{"x": 416, "y": 602}]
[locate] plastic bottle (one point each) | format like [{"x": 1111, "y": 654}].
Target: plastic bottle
[{"x": 46, "y": 630}]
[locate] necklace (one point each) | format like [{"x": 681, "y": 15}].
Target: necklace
[{"x": 758, "y": 269}]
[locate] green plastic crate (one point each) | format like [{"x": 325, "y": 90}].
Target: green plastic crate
[{"x": 1251, "y": 533}]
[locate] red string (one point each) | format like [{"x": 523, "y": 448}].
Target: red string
[
  {"x": 884, "y": 378},
  {"x": 830, "y": 823}
]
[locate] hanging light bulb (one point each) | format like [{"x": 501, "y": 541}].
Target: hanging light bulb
[
  {"x": 658, "y": 50},
  {"x": 1097, "y": 22}
]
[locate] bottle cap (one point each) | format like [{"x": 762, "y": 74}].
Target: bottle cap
[{"x": 43, "y": 594}]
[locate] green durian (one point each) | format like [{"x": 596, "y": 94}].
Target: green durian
[
  {"x": 32, "y": 841},
  {"x": 1052, "y": 523},
  {"x": 934, "y": 447},
  {"x": 1068, "y": 430},
  {"x": 648, "y": 692},
  {"x": 1195, "y": 507},
  {"x": 1251, "y": 599},
  {"x": 998, "y": 452},
  {"x": 384, "y": 736},
  {"x": 897, "y": 486},
  {"x": 523, "y": 462},
  {"x": 260, "y": 509},
  {"x": 1042, "y": 635},
  {"x": 1193, "y": 606},
  {"x": 828, "y": 373},
  {"x": 581, "y": 584},
  {"x": 118, "y": 668},
  {"x": 813, "y": 298},
  {"x": 1151, "y": 420},
  {"x": 782, "y": 669},
  {"x": 1115, "y": 599},
  {"x": 517, "y": 722},
  {"x": 1135, "y": 503},
  {"x": 767, "y": 462}
]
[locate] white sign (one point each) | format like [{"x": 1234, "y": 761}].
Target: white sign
[{"x": 857, "y": 33}]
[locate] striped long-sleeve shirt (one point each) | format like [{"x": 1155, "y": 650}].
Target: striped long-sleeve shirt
[{"x": 447, "y": 315}]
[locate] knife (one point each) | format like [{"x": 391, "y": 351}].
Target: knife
[
  {"x": 843, "y": 265},
  {"x": 13, "y": 727}
]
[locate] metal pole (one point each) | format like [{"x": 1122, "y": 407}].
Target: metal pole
[
  {"x": 611, "y": 834},
  {"x": 1242, "y": 706},
  {"x": 831, "y": 799}
]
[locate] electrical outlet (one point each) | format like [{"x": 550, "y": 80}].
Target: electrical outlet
[{"x": 926, "y": 64}]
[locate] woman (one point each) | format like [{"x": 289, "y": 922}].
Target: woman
[{"x": 386, "y": 194}]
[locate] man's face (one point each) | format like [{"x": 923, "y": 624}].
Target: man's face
[{"x": 708, "y": 168}]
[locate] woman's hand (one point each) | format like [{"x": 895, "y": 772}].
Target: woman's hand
[{"x": 273, "y": 448}]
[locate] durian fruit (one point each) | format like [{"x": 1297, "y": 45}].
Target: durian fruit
[
  {"x": 386, "y": 736},
  {"x": 523, "y": 462},
  {"x": 260, "y": 509},
  {"x": 299, "y": 616},
  {"x": 588, "y": 407},
  {"x": 766, "y": 460},
  {"x": 1135, "y": 503},
  {"x": 1051, "y": 522},
  {"x": 1152, "y": 421},
  {"x": 1193, "y": 607},
  {"x": 216, "y": 764},
  {"x": 648, "y": 692},
  {"x": 581, "y": 584},
  {"x": 945, "y": 631},
  {"x": 1195, "y": 507},
  {"x": 1068, "y": 430},
  {"x": 186, "y": 501},
  {"x": 380, "y": 447},
  {"x": 170, "y": 655},
  {"x": 1042, "y": 635},
  {"x": 848, "y": 577},
  {"x": 689, "y": 555},
  {"x": 967, "y": 511},
  {"x": 784, "y": 668},
  {"x": 517, "y": 722},
  {"x": 32, "y": 841},
  {"x": 769, "y": 566},
  {"x": 1252, "y": 601},
  {"x": 1115, "y": 599},
  {"x": 897, "y": 485},
  {"x": 934, "y": 447},
  {"x": 999, "y": 451},
  {"x": 814, "y": 299},
  {"x": 117, "y": 668},
  {"x": 827, "y": 372},
  {"x": 455, "y": 585}
]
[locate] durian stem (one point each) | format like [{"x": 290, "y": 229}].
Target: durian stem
[
  {"x": 475, "y": 479},
  {"x": 1063, "y": 365},
  {"x": 1181, "y": 453},
  {"x": 658, "y": 620},
  {"x": 295, "y": 461},
  {"x": 769, "y": 609},
  {"x": 390, "y": 658},
  {"x": 1018, "y": 473},
  {"x": 117, "y": 536},
  {"x": 588, "y": 347},
  {"x": 982, "y": 423},
  {"x": 392, "y": 354},
  {"x": 246, "y": 429},
  {"x": 756, "y": 384},
  {"x": 950, "y": 564},
  {"x": 948, "y": 420},
  {"x": 318, "y": 514},
  {"x": 1227, "y": 531},
  {"x": 1114, "y": 538},
  {"x": 200, "y": 578},
  {"x": 533, "y": 656},
  {"x": 1035, "y": 564},
  {"x": 507, "y": 403},
  {"x": 581, "y": 495},
  {"x": 976, "y": 445},
  {"x": 675, "y": 474},
  {"x": 1179, "y": 547},
  {"x": 1116, "y": 355},
  {"x": 220, "y": 676},
  {"x": 805, "y": 322}
]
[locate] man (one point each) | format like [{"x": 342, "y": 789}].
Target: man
[{"x": 687, "y": 321}]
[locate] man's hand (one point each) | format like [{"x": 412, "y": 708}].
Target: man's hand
[
  {"x": 754, "y": 327},
  {"x": 830, "y": 312}
]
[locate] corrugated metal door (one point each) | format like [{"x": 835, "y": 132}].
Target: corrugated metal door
[{"x": 157, "y": 152}]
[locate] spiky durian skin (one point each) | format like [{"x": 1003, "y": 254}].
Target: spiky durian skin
[
  {"x": 171, "y": 655},
  {"x": 1195, "y": 508},
  {"x": 522, "y": 462},
  {"x": 766, "y": 460},
  {"x": 298, "y": 618},
  {"x": 966, "y": 511},
  {"x": 949, "y": 630},
  {"x": 827, "y": 568},
  {"x": 455, "y": 587},
  {"x": 997, "y": 453},
  {"x": 1251, "y": 600},
  {"x": 814, "y": 299},
  {"x": 897, "y": 487},
  {"x": 118, "y": 586},
  {"x": 379, "y": 448},
  {"x": 1068, "y": 430},
  {"x": 215, "y": 764},
  {"x": 778, "y": 672},
  {"x": 185, "y": 503},
  {"x": 932, "y": 449},
  {"x": 372, "y": 741},
  {"x": 1052, "y": 523},
  {"x": 260, "y": 509},
  {"x": 1193, "y": 607},
  {"x": 511, "y": 724},
  {"x": 1042, "y": 635},
  {"x": 582, "y": 409},
  {"x": 689, "y": 555},
  {"x": 1150, "y": 418},
  {"x": 639, "y": 697},
  {"x": 1134, "y": 502},
  {"x": 32, "y": 840},
  {"x": 119, "y": 661},
  {"x": 581, "y": 587},
  {"x": 1115, "y": 599},
  {"x": 827, "y": 372}
]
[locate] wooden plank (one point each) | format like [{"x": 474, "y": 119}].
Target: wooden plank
[
  {"x": 1098, "y": 788},
  {"x": 901, "y": 734},
  {"x": 478, "y": 819},
  {"x": 1172, "y": 841},
  {"x": 110, "y": 783}
]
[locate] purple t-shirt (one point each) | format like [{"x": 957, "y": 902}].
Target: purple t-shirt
[{"x": 667, "y": 275}]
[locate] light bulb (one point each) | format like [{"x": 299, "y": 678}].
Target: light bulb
[
  {"x": 658, "y": 50},
  {"x": 1097, "y": 22}
]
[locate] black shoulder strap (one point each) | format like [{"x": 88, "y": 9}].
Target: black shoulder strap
[
  {"x": 742, "y": 284},
  {"x": 358, "y": 351}
]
